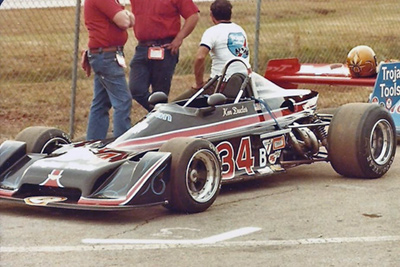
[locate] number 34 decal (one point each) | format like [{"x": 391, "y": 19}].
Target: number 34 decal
[{"x": 244, "y": 158}]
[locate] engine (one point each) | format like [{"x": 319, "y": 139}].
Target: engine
[{"x": 306, "y": 139}]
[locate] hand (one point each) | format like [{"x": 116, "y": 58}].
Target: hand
[
  {"x": 85, "y": 63},
  {"x": 131, "y": 19},
  {"x": 174, "y": 45},
  {"x": 197, "y": 86}
]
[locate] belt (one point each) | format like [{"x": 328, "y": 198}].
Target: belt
[
  {"x": 156, "y": 42},
  {"x": 106, "y": 49}
]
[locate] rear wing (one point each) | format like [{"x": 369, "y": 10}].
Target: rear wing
[{"x": 288, "y": 73}]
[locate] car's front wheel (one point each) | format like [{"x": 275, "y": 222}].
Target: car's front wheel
[
  {"x": 195, "y": 174},
  {"x": 41, "y": 139}
]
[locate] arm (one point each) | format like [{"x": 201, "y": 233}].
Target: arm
[
  {"x": 187, "y": 28},
  {"x": 124, "y": 19},
  {"x": 199, "y": 66}
]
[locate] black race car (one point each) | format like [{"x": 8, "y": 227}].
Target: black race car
[{"x": 181, "y": 152}]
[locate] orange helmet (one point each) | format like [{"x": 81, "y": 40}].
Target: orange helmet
[{"x": 361, "y": 61}]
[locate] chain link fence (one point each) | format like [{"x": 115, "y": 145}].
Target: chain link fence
[{"x": 42, "y": 84}]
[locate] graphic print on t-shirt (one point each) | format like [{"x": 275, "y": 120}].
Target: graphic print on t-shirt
[{"x": 237, "y": 44}]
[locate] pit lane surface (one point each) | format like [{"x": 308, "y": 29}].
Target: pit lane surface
[{"x": 309, "y": 216}]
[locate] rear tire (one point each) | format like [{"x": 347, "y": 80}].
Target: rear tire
[
  {"x": 195, "y": 174},
  {"x": 362, "y": 140},
  {"x": 41, "y": 139}
]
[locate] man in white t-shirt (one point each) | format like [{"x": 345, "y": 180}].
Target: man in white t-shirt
[{"x": 223, "y": 41}]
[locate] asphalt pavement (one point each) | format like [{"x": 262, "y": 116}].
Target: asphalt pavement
[{"x": 309, "y": 216}]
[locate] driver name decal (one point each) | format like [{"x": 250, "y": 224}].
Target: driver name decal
[{"x": 234, "y": 111}]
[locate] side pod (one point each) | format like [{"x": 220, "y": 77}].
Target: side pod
[{"x": 10, "y": 153}]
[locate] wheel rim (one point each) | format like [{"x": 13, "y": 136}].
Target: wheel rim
[
  {"x": 53, "y": 144},
  {"x": 381, "y": 142},
  {"x": 203, "y": 176}
]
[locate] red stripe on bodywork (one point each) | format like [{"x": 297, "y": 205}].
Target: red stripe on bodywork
[
  {"x": 207, "y": 130},
  {"x": 7, "y": 193}
]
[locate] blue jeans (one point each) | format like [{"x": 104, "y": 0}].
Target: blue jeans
[
  {"x": 110, "y": 90},
  {"x": 145, "y": 72}
]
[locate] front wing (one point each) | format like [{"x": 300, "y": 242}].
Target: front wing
[{"x": 134, "y": 183}]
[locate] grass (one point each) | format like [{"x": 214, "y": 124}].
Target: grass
[{"x": 37, "y": 53}]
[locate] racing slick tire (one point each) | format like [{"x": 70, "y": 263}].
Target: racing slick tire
[
  {"x": 361, "y": 140},
  {"x": 41, "y": 139},
  {"x": 195, "y": 174}
]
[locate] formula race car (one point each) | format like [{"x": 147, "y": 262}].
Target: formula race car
[{"x": 181, "y": 152}]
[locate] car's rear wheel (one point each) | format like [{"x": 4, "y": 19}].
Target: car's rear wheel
[
  {"x": 195, "y": 174},
  {"x": 41, "y": 139},
  {"x": 362, "y": 140}
]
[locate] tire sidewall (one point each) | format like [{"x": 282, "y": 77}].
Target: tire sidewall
[
  {"x": 181, "y": 200},
  {"x": 349, "y": 140},
  {"x": 368, "y": 165}
]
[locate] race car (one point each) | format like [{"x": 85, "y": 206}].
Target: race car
[
  {"x": 181, "y": 153},
  {"x": 361, "y": 69}
]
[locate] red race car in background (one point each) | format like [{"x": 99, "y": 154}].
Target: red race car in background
[{"x": 361, "y": 69}]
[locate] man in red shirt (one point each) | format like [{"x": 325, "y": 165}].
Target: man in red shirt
[
  {"x": 107, "y": 22},
  {"x": 159, "y": 34}
]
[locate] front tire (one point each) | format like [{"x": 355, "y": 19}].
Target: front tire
[
  {"x": 195, "y": 174},
  {"x": 362, "y": 140},
  {"x": 41, "y": 139}
]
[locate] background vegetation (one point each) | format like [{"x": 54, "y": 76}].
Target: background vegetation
[{"x": 37, "y": 46}]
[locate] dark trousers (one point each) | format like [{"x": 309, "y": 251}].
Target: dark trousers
[{"x": 155, "y": 73}]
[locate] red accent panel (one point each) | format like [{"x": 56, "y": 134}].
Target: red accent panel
[{"x": 287, "y": 73}]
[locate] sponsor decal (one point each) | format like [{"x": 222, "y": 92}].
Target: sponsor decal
[
  {"x": 53, "y": 178},
  {"x": 268, "y": 145},
  {"x": 278, "y": 143},
  {"x": 274, "y": 156},
  {"x": 387, "y": 89},
  {"x": 387, "y": 85},
  {"x": 272, "y": 150},
  {"x": 265, "y": 170},
  {"x": 163, "y": 116},
  {"x": 43, "y": 200},
  {"x": 111, "y": 155},
  {"x": 388, "y": 103}
]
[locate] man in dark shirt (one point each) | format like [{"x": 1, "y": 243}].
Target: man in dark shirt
[{"x": 159, "y": 34}]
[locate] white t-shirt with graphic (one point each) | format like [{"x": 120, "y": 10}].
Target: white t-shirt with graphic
[{"x": 226, "y": 41}]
